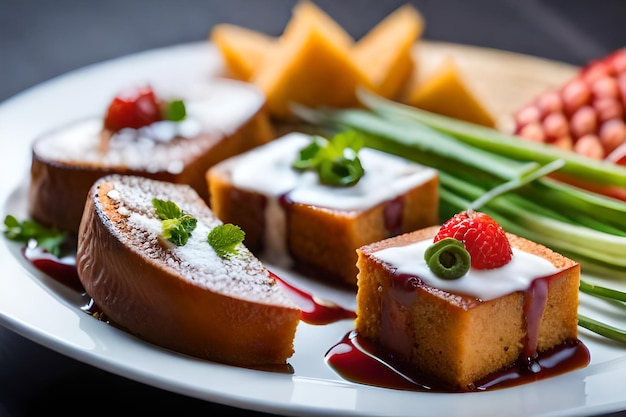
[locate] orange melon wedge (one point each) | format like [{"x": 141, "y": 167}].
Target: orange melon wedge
[
  {"x": 384, "y": 54},
  {"x": 446, "y": 92},
  {"x": 243, "y": 50},
  {"x": 312, "y": 65}
]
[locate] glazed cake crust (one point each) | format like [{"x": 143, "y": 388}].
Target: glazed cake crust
[{"x": 456, "y": 338}]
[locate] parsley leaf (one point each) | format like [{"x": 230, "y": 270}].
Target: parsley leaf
[
  {"x": 224, "y": 239},
  {"x": 336, "y": 161},
  {"x": 176, "y": 225},
  {"x": 49, "y": 239}
]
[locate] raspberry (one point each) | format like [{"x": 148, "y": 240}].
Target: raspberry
[
  {"x": 134, "y": 108},
  {"x": 483, "y": 237}
]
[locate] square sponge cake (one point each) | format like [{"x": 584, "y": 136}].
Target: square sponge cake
[
  {"x": 461, "y": 331},
  {"x": 291, "y": 218}
]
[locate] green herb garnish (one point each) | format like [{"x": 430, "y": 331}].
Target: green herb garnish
[
  {"x": 448, "y": 258},
  {"x": 224, "y": 239},
  {"x": 175, "y": 111},
  {"x": 176, "y": 225},
  {"x": 336, "y": 161},
  {"x": 49, "y": 239}
]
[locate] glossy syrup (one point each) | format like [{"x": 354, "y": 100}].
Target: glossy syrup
[
  {"x": 359, "y": 360},
  {"x": 314, "y": 310}
]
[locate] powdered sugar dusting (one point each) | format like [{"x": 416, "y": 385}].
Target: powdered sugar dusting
[
  {"x": 242, "y": 275},
  {"x": 215, "y": 110}
]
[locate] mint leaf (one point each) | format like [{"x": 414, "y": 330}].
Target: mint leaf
[
  {"x": 176, "y": 226},
  {"x": 224, "y": 239},
  {"x": 166, "y": 209}
]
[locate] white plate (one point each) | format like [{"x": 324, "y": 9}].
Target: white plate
[{"x": 40, "y": 309}]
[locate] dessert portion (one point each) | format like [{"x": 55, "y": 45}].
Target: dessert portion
[
  {"x": 158, "y": 263},
  {"x": 291, "y": 216},
  {"x": 144, "y": 135},
  {"x": 465, "y": 300}
]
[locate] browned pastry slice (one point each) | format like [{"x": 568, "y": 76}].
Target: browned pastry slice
[{"x": 186, "y": 298}]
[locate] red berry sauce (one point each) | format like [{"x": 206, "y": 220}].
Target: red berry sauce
[{"x": 359, "y": 360}]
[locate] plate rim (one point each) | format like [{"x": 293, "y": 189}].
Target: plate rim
[{"x": 287, "y": 398}]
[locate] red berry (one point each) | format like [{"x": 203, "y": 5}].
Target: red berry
[
  {"x": 483, "y": 237},
  {"x": 134, "y": 108}
]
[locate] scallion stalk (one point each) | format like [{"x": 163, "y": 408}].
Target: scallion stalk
[
  {"x": 500, "y": 143},
  {"x": 602, "y": 329},
  {"x": 481, "y": 167}
]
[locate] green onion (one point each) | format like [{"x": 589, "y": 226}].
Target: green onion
[
  {"x": 600, "y": 291},
  {"x": 602, "y": 329},
  {"x": 506, "y": 178},
  {"x": 500, "y": 143},
  {"x": 448, "y": 258}
]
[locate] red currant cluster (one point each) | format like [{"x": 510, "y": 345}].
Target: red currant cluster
[{"x": 586, "y": 115}]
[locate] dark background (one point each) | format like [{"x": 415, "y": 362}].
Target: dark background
[{"x": 40, "y": 40}]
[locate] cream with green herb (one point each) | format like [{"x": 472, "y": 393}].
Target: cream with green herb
[{"x": 314, "y": 200}]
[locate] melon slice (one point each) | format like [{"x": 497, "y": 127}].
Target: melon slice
[
  {"x": 244, "y": 50},
  {"x": 384, "y": 54},
  {"x": 446, "y": 92},
  {"x": 312, "y": 65}
]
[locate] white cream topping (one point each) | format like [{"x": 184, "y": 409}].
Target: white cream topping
[
  {"x": 267, "y": 170},
  {"x": 216, "y": 110},
  {"x": 517, "y": 275}
]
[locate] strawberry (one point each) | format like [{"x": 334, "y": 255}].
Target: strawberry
[
  {"x": 483, "y": 237},
  {"x": 134, "y": 108}
]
